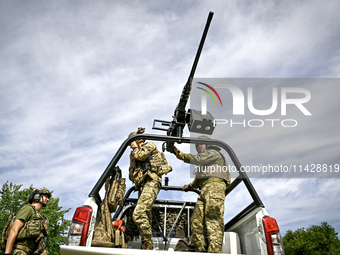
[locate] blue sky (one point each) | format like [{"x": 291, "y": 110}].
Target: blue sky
[{"x": 77, "y": 77}]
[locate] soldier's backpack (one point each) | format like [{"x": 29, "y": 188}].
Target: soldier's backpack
[
  {"x": 107, "y": 234},
  {"x": 165, "y": 167},
  {"x": 5, "y": 231},
  {"x": 115, "y": 189}
]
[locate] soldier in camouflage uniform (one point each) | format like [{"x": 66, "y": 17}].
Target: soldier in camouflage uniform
[
  {"x": 207, "y": 222},
  {"x": 147, "y": 165},
  {"x": 30, "y": 227}
]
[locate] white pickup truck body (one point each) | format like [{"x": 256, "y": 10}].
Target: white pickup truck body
[{"x": 252, "y": 231}]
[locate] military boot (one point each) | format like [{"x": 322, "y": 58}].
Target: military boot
[{"x": 147, "y": 245}]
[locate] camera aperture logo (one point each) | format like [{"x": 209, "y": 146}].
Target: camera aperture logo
[{"x": 239, "y": 102}]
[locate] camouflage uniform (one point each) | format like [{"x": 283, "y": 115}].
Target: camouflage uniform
[
  {"x": 30, "y": 237},
  {"x": 149, "y": 162},
  {"x": 27, "y": 245},
  {"x": 142, "y": 215},
  {"x": 19, "y": 252},
  {"x": 207, "y": 222}
]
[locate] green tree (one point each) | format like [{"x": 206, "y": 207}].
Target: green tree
[
  {"x": 315, "y": 240},
  {"x": 12, "y": 199}
]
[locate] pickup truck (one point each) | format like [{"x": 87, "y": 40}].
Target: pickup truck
[{"x": 251, "y": 231}]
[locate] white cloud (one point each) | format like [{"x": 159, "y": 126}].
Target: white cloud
[{"x": 77, "y": 78}]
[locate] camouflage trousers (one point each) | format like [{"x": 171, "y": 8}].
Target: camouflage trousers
[
  {"x": 19, "y": 252},
  {"x": 207, "y": 221},
  {"x": 142, "y": 215}
]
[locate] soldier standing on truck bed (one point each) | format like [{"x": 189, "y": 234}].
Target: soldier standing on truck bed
[
  {"x": 28, "y": 228},
  {"x": 207, "y": 222},
  {"x": 147, "y": 165}
]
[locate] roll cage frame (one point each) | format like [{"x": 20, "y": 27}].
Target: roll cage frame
[{"x": 242, "y": 177}]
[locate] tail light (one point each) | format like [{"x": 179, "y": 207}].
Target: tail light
[
  {"x": 80, "y": 226},
  {"x": 273, "y": 236}
]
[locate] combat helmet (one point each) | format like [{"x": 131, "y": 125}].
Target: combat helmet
[
  {"x": 36, "y": 195},
  {"x": 210, "y": 146}
]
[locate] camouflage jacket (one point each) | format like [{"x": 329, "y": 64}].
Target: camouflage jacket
[
  {"x": 211, "y": 166},
  {"x": 150, "y": 161},
  {"x": 35, "y": 229}
]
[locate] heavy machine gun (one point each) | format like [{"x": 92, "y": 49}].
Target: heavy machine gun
[{"x": 181, "y": 117}]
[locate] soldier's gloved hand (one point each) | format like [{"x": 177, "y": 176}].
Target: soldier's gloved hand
[
  {"x": 176, "y": 151},
  {"x": 186, "y": 187}
]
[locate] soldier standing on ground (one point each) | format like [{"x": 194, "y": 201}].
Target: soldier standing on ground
[
  {"x": 147, "y": 165},
  {"x": 207, "y": 222},
  {"x": 30, "y": 227}
]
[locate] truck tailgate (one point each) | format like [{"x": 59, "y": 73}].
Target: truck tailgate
[{"x": 80, "y": 250}]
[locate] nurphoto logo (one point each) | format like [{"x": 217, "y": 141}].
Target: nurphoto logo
[{"x": 240, "y": 101}]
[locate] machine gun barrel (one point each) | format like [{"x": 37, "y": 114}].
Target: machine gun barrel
[
  {"x": 187, "y": 88},
  {"x": 179, "y": 119}
]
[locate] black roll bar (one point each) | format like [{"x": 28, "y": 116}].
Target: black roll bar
[
  {"x": 242, "y": 175},
  {"x": 127, "y": 198}
]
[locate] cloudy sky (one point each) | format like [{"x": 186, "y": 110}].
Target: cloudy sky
[{"x": 77, "y": 77}]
